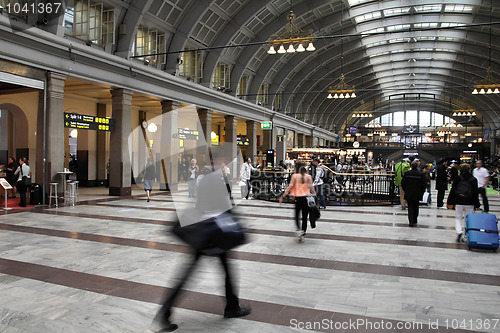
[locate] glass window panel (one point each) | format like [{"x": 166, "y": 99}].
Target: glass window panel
[
  {"x": 108, "y": 27},
  {"x": 386, "y": 120},
  {"x": 411, "y": 118},
  {"x": 69, "y": 19},
  {"x": 94, "y": 23},
  {"x": 396, "y": 11},
  {"x": 437, "y": 119},
  {"x": 263, "y": 95},
  {"x": 458, "y": 8},
  {"x": 428, "y": 8},
  {"x": 242, "y": 86},
  {"x": 399, "y": 118},
  {"x": 425, "y": 119},
  {"x": 81, "y": 17},
  {"x": 356, "y": 2}
]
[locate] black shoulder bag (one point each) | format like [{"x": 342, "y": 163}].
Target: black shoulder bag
[{"x": 26, "y": 181}]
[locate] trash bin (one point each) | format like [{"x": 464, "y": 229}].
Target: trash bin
[{"x": 35, "y": 194}]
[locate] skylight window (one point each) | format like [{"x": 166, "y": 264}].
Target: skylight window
[
  {"x": 396, "y": 11},
  {"x": 368, "y": 16},
  {"x": 458, "y": 8},
  {"x": 374, "y": 31},
  {"x": 446, "y": 39},
  {"x": 428, "y": 8},
  {"x": 399, "y": 40},
  {"x": 357, "y": 2},
  {"x": 379, "y": 54},
  {"x": 449, "y": 25},
  {"x": 426, "y": 38},
  {"x": 425, "y": 25},
  {"x": 398, "y": 27},
  {"x": 383, "y": 42}
]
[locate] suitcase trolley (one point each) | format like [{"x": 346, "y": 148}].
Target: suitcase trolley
[{"x": 482, "y": 231}]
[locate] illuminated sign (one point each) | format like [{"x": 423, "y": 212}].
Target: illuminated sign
[
  {"x": 241, "y": 141},
  {"x": 186, "y": 134},
  {"x": 266, "y": 125},
  {"x": 80, "y": 121}
]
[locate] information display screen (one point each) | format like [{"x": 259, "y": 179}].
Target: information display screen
[
  {"x": 186, "y": 134},
  {"x": 81, "y": 121}
]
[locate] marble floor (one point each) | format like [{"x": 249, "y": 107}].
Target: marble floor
[{"x": 106, "y": 264}]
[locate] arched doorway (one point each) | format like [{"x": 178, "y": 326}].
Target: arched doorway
[{"x": 14, "y": 129}]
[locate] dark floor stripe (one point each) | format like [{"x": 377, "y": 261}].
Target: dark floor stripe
[
  {"x": 276, "y": 259},
  {"x": 264, "y": 312},
  {"x": 442, "y": 245},
  {"x": 449, "y": 214},
  {"x": 277, "y": 217}
]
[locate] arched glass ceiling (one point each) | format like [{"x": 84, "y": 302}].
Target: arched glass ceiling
[
  {"x": 439, "y": 47},
  {"x": 427, "y": 48}
]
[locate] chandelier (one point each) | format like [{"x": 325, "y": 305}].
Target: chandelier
[
  {"x": 362, "y": 115},
  {"x": 290, "y": 35},
  {"x": 341, "y": 90},
  {"x": 464, "y": 113},
  {"x": 373, "y": 125},
  {"x": 487, "y": 85}
]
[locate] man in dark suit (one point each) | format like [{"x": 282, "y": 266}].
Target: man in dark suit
[
  {"x": 441, "y": 182},
  {"x": 414, "y": 185}
]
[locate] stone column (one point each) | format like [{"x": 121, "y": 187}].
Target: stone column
[
  {"x": 170, "y": 150},
  {"x": 231, "y": 133},
  {"x": 300, "y": 140},
  {"x": 280, "y": 147},
  {"x": 101, "y": 149},
  {"x": 206, "y": 126},
  {"x": 120, "y": 173},
  {"x": 54, "y": 135},
  {"x": 267, "y": 140},
  {"x": 252, "y": 137},
  {"x": 308, "y": 141}
]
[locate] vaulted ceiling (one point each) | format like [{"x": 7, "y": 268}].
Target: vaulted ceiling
[{"x": 422, "y": 54}]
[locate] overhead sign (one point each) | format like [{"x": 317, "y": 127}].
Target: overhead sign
[
  {"x": 241, "y": 141},
  {"x": 186, "y": 134},
  {"x": 80, "y": 121},
  {"x": 266, "y": 125}
]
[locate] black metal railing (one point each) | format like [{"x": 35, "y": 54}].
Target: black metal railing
[{"x": 355, "y": 187}]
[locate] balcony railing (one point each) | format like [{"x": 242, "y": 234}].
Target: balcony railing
[{"x": 353, "y": 188}]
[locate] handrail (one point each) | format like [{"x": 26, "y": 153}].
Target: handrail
[
  {"x": 390, "y": 173},
  {"x": 387, "y": 173}
]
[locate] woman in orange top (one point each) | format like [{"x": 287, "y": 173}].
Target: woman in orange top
[{"x": 300, "y": 186}]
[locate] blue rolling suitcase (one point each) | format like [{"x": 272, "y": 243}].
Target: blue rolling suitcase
[{"x": 482, "y": 231}]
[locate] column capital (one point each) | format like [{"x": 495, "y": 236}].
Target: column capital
[
  {"x": 205, "y": 113},
  {"x": 122, "y": 93},
  {"x": 251, "y": 123},
  {"x": 231, "y": 121},
  {"x": 169, "y": 105},
  {"x": 57, "y": 76},
  {"x": 55, "y": 85}
]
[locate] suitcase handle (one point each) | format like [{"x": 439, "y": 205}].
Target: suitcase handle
[{"x": 482, "y": 230}]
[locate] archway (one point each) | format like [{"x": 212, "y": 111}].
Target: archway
[{"x": 14, "y": 140}]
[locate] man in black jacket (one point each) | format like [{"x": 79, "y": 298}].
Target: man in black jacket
[
  {"x": 441, "y": 182},
  {"x": 464, "y": 195},
  {"x": 414, "y": 185}
]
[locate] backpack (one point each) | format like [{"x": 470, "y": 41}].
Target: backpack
[
  {"x": 464, "y": 190},
  {"x": 400, "y": 170}
]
